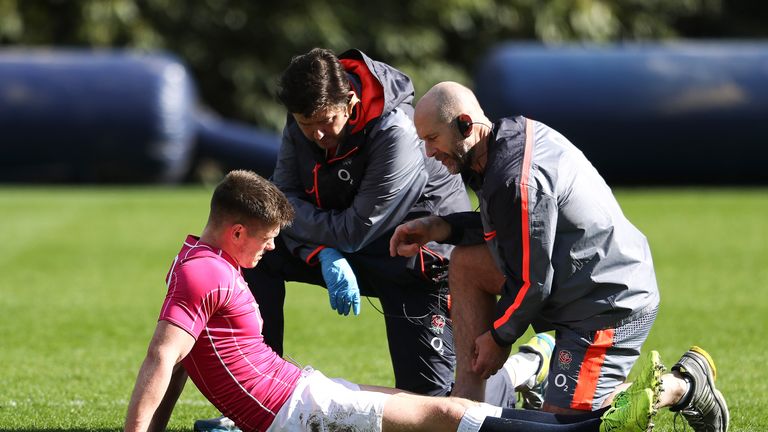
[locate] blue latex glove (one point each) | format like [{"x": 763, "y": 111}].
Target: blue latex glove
[{"x": 341, "y": 282}]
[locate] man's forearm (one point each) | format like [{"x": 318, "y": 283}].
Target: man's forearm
[
  {"x": 163, "y": 412},
  {"x": 152, "y": 385}
]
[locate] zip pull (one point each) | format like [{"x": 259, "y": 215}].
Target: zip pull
[{"x": 315, "y": 190}]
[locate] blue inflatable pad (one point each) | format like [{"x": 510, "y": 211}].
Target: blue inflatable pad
[
  {"x": 94, "y": 117},
  {"x": 233, "y": 145},
  {"x": 682, "y": 113}
]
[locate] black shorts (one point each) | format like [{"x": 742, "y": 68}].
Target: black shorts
[{"x": 413, "y": 295}]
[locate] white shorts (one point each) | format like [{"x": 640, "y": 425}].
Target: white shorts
[{"x": 320, "y": 404}]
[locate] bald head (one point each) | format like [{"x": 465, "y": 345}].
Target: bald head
[
  {"x": 446, "y": 101},
  {"x": 444, "y": 139}
]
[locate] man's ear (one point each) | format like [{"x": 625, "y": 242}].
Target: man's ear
[
  {"x": 238, "y": 231},
  {"x": 352, "y": 101},
  {"x": 464, "y": 125}
]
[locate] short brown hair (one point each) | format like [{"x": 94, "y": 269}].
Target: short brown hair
[
  {"x": 247, "y": 198},
  {"x": 313, "y": 81}
]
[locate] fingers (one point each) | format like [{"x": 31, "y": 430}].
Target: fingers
[
  {"x": 484, "y": 361},
  {"x": 349, "y": 302},
  {"x": 479, "y": 367},
  {"x": 408, "y": 250},
  {"x": 406, "y": 240},
  {"x": 332, "y": 298},
  {"x": 336, "y": 295},
  {"x": 483, "y": 370},
  {"x": 488, "y": 372},
  {"x": 343, "y": 305},
  {"x": 397, "y": 238},
  {"x": 344, "y": 300}
]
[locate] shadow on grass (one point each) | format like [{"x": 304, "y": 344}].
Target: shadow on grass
[
  {"x": 22, "y": 429},
  {"x": 75, "y": 429}
]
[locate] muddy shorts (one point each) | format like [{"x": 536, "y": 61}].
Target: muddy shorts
[
  {"x": 586, "y": 367},
  {"x": 321, "y": 404}
]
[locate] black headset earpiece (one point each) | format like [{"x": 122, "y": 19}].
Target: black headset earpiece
[{"x": 463, "y": 126}]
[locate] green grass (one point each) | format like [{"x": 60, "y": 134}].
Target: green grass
[{"x": 82, "y": 278}]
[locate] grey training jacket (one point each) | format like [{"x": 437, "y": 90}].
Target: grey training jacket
[
  {"x": 378, "y": 177},
  {"x": 570, "y": 256}
]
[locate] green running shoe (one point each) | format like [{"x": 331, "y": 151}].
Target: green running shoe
[
  {"x": 649, "y": 376},
  {"x": 633, "y": 414},
  {"x": 703, "y": 406},
  {"x": 532, "y": 392}
]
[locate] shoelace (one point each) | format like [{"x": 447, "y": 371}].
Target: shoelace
[
  {"x": 674, "y": 423},
  {"x": 532, "y": 400},
  {"x": 691, "y": 417},
  {"x": 533, "y": 394},
  {"x": 695, "y": 419}
]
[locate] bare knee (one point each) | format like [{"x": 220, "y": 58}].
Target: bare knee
[
  {"x": 414, "y": 413},
  {"x": 452, "y": 408}
]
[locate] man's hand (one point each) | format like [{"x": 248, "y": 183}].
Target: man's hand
[
  {"x": 489, "y": 357},
  {"x": 341, "y": 282},
  {"x": 409, "y": 237}
]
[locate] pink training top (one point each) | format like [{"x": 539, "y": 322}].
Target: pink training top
[{"x": 229, "y": 363}]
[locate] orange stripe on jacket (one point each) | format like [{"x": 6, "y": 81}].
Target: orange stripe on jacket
[
  {"x": 584, "y": 394},
  {"x": 526, "y": 240}
]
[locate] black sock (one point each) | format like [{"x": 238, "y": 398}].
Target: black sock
[
  {"x": 495, "y": 424},
  {"x": 545, "y": 417}
]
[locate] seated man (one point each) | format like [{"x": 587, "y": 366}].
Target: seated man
[{"x": 210, "y": 330}]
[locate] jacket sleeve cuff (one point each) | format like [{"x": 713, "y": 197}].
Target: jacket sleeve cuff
[
  {"x": 466, "y": 228},
  {"x": 499, "y": 341},
  {"x": 312, "y": 259}
]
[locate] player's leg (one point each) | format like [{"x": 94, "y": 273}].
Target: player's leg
[
  {"x": 420, "y": 338},
  {"x": 415, "y": 305},
  {"x": 417, "y": 413},
  {"x": 474, "y": 282},
  {"x": 325, "y": 404},
  {"x": 320, "y": 403},
  {"x": 588, "y": 366},
  {"x": 415, "y": 308},
  {"x": 405, "y": 412}
]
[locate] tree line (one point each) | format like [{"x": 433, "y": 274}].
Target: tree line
[{"x": 236, "y": 49}]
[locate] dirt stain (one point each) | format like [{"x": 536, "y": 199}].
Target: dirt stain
[{"x": 340, "y": 419}]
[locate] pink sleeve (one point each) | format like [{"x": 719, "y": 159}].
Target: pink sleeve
[{"x": 192, "y": 296}]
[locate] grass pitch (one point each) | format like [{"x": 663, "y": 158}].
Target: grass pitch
[{"x": 82, "y": 279}]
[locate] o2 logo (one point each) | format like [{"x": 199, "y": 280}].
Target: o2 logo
[
  {"x": 437, "y": 345},
  {"x": 561, "y": 381}
]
